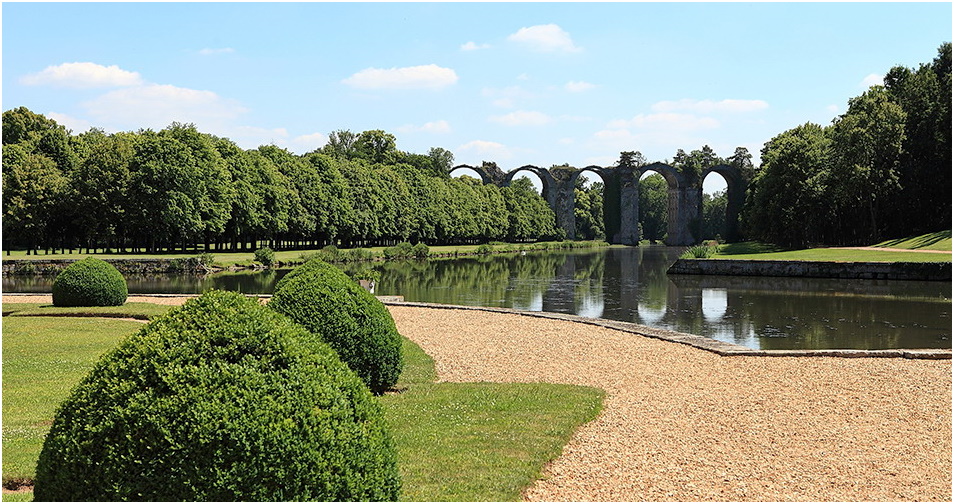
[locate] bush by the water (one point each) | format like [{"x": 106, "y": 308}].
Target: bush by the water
[
  {"x": 265, "y": 256},
  {"x": 90, "y": 282},
  {"x": 220, "y": 400},
  {"x": 335, "y": 308}
]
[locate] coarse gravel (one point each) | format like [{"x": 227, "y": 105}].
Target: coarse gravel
[{"x": 683, "y": 424}]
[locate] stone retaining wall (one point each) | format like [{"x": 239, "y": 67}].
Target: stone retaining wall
[{"x": 930, "y": 271}]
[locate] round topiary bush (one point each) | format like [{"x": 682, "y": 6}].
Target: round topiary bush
[
  {"x": 90, "y": 282},
  {"x": 334, "y": 307},
  {"x": 220, "y": 400}
]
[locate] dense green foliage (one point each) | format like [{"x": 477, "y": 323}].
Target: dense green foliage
[
  {"x": 221, "y": 400},
  {"x": 882, "y": 169},
  {"x": 90, "y": 282},
  {"x": 653, "y": 207},
  {"x": 336, "y": 309},
  {"x": 588, "y": 210},
  {"x": 178, "y": 188},
  {"x": 714, "y": 208},
  {"x": 265, "y": 255}
]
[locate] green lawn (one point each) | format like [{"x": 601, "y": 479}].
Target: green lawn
[
  {"x": 931, "y": 241},
  {"x": 767, "y": 252},
  {"x": 456, "y": 442}
]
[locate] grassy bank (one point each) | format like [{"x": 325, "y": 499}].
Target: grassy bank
[
  {"x": 456, "y": 442},
  {"x": 766, "y": 252},
  {"x": 291, "y": 257}
]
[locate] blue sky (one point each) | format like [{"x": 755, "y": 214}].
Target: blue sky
[{"x": 513, "y": 83}]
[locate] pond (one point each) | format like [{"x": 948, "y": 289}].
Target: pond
[{"x": 630, "y": 284}]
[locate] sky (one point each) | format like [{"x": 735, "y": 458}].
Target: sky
[{"x": 513, "y": 83}]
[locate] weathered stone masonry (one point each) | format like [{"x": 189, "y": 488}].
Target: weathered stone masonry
[{"x": 621, "y": 197}]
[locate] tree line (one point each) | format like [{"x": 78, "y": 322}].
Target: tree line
[
  {"x": 880, "y": 170},
  {"x": 178, "y": 188}
]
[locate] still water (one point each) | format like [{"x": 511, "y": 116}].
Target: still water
[{"x": 630, "y": 284}]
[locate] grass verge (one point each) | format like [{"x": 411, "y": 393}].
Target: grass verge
[
  {"x": 456, "y": 442},
  {"x": 940, "y": 240},
  {"x": 764, "y": 252}
]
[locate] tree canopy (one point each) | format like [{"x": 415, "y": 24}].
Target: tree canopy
[{"x": 179, "y": 188}]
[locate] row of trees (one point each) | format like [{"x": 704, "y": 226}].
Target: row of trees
[
  {"x": 178, "y": 188},
  {"x": 880, "y": 170}
]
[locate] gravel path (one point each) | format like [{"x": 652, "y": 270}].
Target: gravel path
[{"x": 682, "y": 424}]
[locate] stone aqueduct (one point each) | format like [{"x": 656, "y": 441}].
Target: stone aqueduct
[{"x": 621, "y": 201}]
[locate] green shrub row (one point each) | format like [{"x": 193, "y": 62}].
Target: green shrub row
[
  {"x": 220, "y": 400},
  {"x": 405, "y": 250}
]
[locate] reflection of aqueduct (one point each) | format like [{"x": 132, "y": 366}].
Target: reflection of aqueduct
[{"x": 620, "y": 197}]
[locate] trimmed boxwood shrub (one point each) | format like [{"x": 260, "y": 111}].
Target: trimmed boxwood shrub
[
  {"x": 90, "y": 282},
  {"x": 335, "y": 308},
  {"x": 219, "y": 400}
]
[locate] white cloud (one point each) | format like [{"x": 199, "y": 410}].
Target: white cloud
[
  {"x": 666, "y": 121},
  {"x": 73, "y": 124},
  {"x": 471, "y": 46},
  {"x": 82, "y": 75},
  {"x": 437, "y": 127},
  {"x": 486, "y": 149},
  {"x": 522, "y": 118},
  {"x": 506, "y": 97},
  {"x": 416, "y": 77},
  {"x": 208, "y": 51},
  {"x": 158, "y": 105},
  {"x": 832, "y": 108},
  {"x": 578, "y": 86},
  {"x": 872, "y": 80},
  {"x": 710, "y": 106},
  {"x": 545, "y": 38}
]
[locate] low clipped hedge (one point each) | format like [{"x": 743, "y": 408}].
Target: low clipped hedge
[
  {"x": 90, "y": 282},
  {"x": 220, "y": 400},
  {"x": 335, "y": 308}
]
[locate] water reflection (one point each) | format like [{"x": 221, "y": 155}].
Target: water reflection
[{"x": 631, "y": 284}]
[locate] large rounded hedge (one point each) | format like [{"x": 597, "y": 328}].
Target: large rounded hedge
[
  {"x": 220, "y": 400},
  {"x": 334, "y": 307},
  {"x": 90, "y": 282}
]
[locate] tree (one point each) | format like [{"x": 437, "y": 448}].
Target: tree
[
  {"x": 588, "y": 210},
  {"x": 100, "y": 187},
  {"x": 33, "y": 191},
  {"x": 442, "y": 161},
  {"x": 342, "y": 144},
  {"x": 377, "y": 146},
  {"x": 866, "y": 155},
  {"x": 714, "y": 215},
  {"x": 654, "y": 207},
  {"x": 787, "y": 204}
]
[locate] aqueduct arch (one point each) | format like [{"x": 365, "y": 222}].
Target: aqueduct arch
[{"x": 621, "y": 197}]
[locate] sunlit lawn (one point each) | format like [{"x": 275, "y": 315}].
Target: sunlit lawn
[
  {"x": 766, "y": 252},
  {"x": 456, "y": 442}
]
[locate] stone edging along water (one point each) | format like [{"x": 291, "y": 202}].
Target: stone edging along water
[
  {"x": 708, "y": 344},
  {"x": 924, "y": 271}
]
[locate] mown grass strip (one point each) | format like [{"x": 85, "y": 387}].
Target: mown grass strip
[
  {"x": 764, "y": 252},
  {"x": 940, "y": 240},
  {"x": 456, "y": 442}
]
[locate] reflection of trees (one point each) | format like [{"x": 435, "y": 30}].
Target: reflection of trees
[{"x": 790, "y": 313}]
